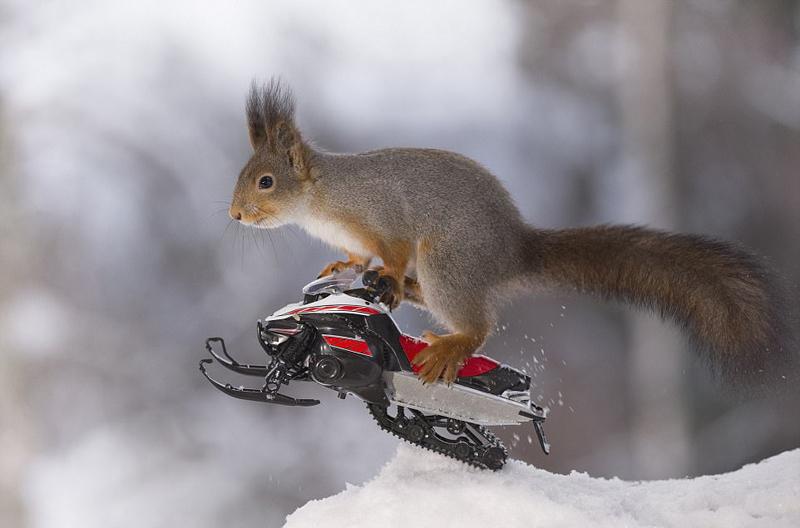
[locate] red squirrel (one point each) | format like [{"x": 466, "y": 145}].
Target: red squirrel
[{"x": 448, "y": 221}]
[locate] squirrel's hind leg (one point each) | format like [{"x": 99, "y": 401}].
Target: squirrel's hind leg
[{"x": 456, "y": 288}]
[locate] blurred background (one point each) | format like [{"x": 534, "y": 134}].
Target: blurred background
[{"x": 122, "y": 133}]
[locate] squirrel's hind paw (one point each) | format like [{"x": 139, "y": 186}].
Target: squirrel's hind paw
[{"x": 444, "y": 357}]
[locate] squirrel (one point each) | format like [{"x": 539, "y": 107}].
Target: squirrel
[{"x": 447, "y": 220}]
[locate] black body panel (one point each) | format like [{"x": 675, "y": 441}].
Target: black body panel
[{"x": 497, "y": 381}]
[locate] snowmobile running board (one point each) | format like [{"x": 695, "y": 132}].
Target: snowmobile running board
[
  {"x": 462, "y": 403},
  {"x": 455, "y": 401}
]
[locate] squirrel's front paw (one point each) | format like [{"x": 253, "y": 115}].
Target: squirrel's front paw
[
  {"x": 389, "y": 290},
  {"x": 392, "y": 294},
  {"x": 335, "y": 267}
]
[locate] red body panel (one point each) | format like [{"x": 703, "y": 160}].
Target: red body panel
[
  {"x": 357, "y": 346},
  {"x": 336, "y": 308},
  {"x": 474, "y": 366}
]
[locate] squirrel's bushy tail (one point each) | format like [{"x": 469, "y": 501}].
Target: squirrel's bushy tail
[{"x": 725, "y": 297}]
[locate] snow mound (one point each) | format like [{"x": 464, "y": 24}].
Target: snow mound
[{"x": 421, "y": 489}]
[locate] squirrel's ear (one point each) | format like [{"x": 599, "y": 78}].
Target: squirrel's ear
[
  {"x": 288, "y": 140},
  {"x": 285, "y": 136},
  {"x": 258, "y": 134}
]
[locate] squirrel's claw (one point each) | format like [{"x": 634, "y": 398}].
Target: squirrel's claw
[
  {"x": 390, "y": 291},
  {"x": 429, "y": 370},
  {"x": 356, "y": 262},
  {"x": 339, "y": 266},
  {"x": 392, "y": 298},
  {"x": 437, "y": 365},
  {"x": 443, "y": 358}
]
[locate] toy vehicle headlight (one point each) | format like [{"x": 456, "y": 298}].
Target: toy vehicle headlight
[{"x": 273, "y": 338}]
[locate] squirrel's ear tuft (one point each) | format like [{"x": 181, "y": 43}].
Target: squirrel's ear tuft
[
  {"x": 256, "y": 121},
  {"x": 268, "y": 105}
]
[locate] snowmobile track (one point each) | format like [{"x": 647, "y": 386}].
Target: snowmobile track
[{"x": 438, "y": 445}]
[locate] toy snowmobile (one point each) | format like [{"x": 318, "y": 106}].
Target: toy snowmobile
[{"x": 342, "y": 337}]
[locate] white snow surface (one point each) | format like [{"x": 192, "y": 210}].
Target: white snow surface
[{"x": 418, "y": 488}]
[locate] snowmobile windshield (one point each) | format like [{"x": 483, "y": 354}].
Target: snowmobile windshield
[{"x": 336, "y": 283}]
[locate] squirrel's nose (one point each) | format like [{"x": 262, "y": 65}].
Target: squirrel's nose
[{"x": 235, "y": 213}]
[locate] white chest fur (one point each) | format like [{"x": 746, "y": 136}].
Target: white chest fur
[{"x": 333, "y": 234}]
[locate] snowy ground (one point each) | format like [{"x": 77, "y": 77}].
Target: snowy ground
[{"x": 418, "y": 488}]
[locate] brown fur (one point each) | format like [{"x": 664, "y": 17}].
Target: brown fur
[
  {"x": 394, "y": 254},
  {"x": 721, "y": 294},
  {"x": 412, "y": 292}
]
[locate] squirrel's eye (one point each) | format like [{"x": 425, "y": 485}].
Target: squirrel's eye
[{"x": 265, "y": 182}]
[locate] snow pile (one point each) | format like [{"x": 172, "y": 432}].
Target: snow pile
[{"x": 421, "y": 489}]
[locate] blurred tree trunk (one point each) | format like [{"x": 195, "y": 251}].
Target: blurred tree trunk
[
  {"x": 15, "y": 427},
  {"x": 660, "y": 446}
]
